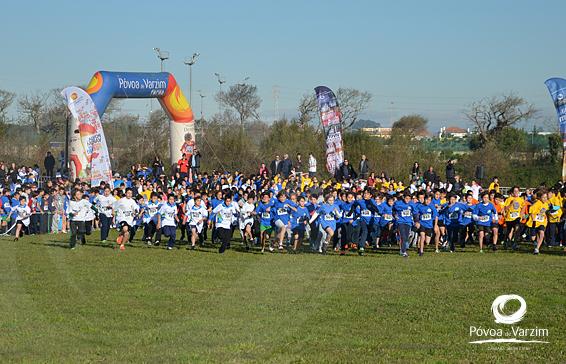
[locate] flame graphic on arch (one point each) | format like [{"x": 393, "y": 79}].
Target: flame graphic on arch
[{"x": 95, "y": 84}]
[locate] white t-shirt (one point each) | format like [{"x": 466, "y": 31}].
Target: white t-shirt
[
  {"x": 105, "y": 204},
  {"x": 195, "y": 215},
  {"x": 22, "y": 214},
  {"x": 226, "y": 215},
  {"x": 78, "y": 210},
  {"x": 246, "y": 216},
  {"x": 126, "y": 209},
  {"x": 168, "y": 213}
]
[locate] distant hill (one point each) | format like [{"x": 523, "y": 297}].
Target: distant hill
[{"x": 365, "y": 124}]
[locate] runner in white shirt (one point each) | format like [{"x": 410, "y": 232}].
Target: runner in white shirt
[
  {"x": 126, "y": 210},
  {"x": 247, "y": 220},
  {"x": 23, "y": 213},
  {"x": 150, "y": 220},
  {"x": 77, "y": 209},
  {"x": 167, "y": 219},
  {"x": 195, "y": 216},
  {"x": 105, "y": 203},
  {"x": 226, "y": 215}
]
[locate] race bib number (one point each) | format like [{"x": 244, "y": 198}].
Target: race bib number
[
  {"x": 265, "y": 215},
  {"x": 171, "y": 215},
  {"x": 514, "y": 215},
  {"x": 406, "y": 213},
  {"x": 127, "y": 213},
  {"x": 539, "y": 218},
  {"x": 468, "y": 214},
  {"x": 484, "y": 218},
  {"x": 281, "y": 212},
  {"x": 329, "y": 217},
  {"x": 453, "y": 216},
  {"x": 366, "y": 213},
  {"x": 195, "y": 215},
  {"x": 348, "y": 216},
  {"x": 426, "y": 217},
  {"x": 387, "y": 217}
]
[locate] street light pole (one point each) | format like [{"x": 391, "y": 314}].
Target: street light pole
[
  {"x": 162, "y": 55},
  {"x": 189, "y": 62}
]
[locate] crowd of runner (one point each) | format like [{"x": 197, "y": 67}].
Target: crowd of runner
[{"x": 293, "y": 211}]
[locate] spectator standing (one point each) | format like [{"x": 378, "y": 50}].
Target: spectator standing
[
  {"x": 346, "y": 171},
  {"x": 415, "y": 171},
  {"x": 430, "y": 175},
  {"x": 49, "y": 164},
  {"x": 157, "y": 166},
  {"x": 312, "y": 165},
  {"x": 274, "y": 166},
  {"x": 285, "y": 166},
  {"x": 195, "y": 162},
  {"x": 450, "y": 171},
  {"x": 364, "y": 167},
  {"x": 299, "y": 164},
  {"x": 183, "y": 166}
]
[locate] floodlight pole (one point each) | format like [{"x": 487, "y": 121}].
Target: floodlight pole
[{"x": 190, "y": 62}]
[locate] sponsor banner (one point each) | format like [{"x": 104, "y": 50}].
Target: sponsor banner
[
  {"x": 557, "y": 89},
  {"x": 331, "y": 119},
  {"x": 88, "y": 143}
]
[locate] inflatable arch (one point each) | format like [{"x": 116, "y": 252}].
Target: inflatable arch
[{"x": 106, "y": 85}]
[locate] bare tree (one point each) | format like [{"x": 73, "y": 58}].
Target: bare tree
[
  {"x": 307, "y": 109},
  {"x": 243, "y": 98},
  {"x": 6, "y": 100},
  {"x": 490, "y": 116},
  {"x": 32, "y": 107},
  {"x": 352, "y": 103}
]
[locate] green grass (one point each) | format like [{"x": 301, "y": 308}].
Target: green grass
[{"x": 97, "y": 304}]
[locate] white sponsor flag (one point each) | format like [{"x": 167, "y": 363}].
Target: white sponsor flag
[{"x": 91, "y": 136}]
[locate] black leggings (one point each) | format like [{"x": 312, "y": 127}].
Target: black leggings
[
  {"x": 224, "y": 235},
  {"x": 78, "y": 231}
]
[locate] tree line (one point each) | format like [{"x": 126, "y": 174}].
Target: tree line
[{"x": 237, "y": 139}]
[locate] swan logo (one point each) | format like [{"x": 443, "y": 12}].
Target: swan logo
[
  {"x": 513, "y": 334},
  {"x": 498, "y": 307}
]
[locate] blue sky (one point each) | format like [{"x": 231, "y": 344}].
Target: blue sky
[{"x": 428, "y": 57}]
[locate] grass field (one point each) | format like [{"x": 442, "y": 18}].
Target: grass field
[{"x": 97, "y": 304}]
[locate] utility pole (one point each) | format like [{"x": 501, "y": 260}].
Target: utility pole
[{"x": 190, "y": 62}]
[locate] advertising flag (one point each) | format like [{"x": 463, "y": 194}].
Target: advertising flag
[
  {"x": 89, "y": 153},
  {"x": 557, "y": 89},
  {"x": 331, "y": 119}
]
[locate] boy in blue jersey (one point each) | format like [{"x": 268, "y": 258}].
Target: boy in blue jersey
[
  {"x": 427, "y": 217},
  {"x": 350, "y": 214},
  {"x": 387, "y": 220},
  {"x": 327, "y": 214},
  {"x": 452, "y": 214},
  {"x": 281, "y": 215},
  {"x": 263, "y": 210},
  {"x": 485, "y": 216},
  {"x": 466, "y": 221},
  {"x": 403, "y": 211},
  {"x": 299, "y": 221},
  {"x": 312, "y": 205},
  {"x": 367, "y": 208}
]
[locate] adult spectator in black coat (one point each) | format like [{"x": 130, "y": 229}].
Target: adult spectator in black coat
[
  {"x": 450, "y": 171},
  {"x": 364, "y": 167},
  {"x": 49, "y": 164},
  {"x": 430, "y": 175},
  {"x": 345, "y": 171},
  {"x": 274, "y": 166},
  {"x": 285, "y": 166}
]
